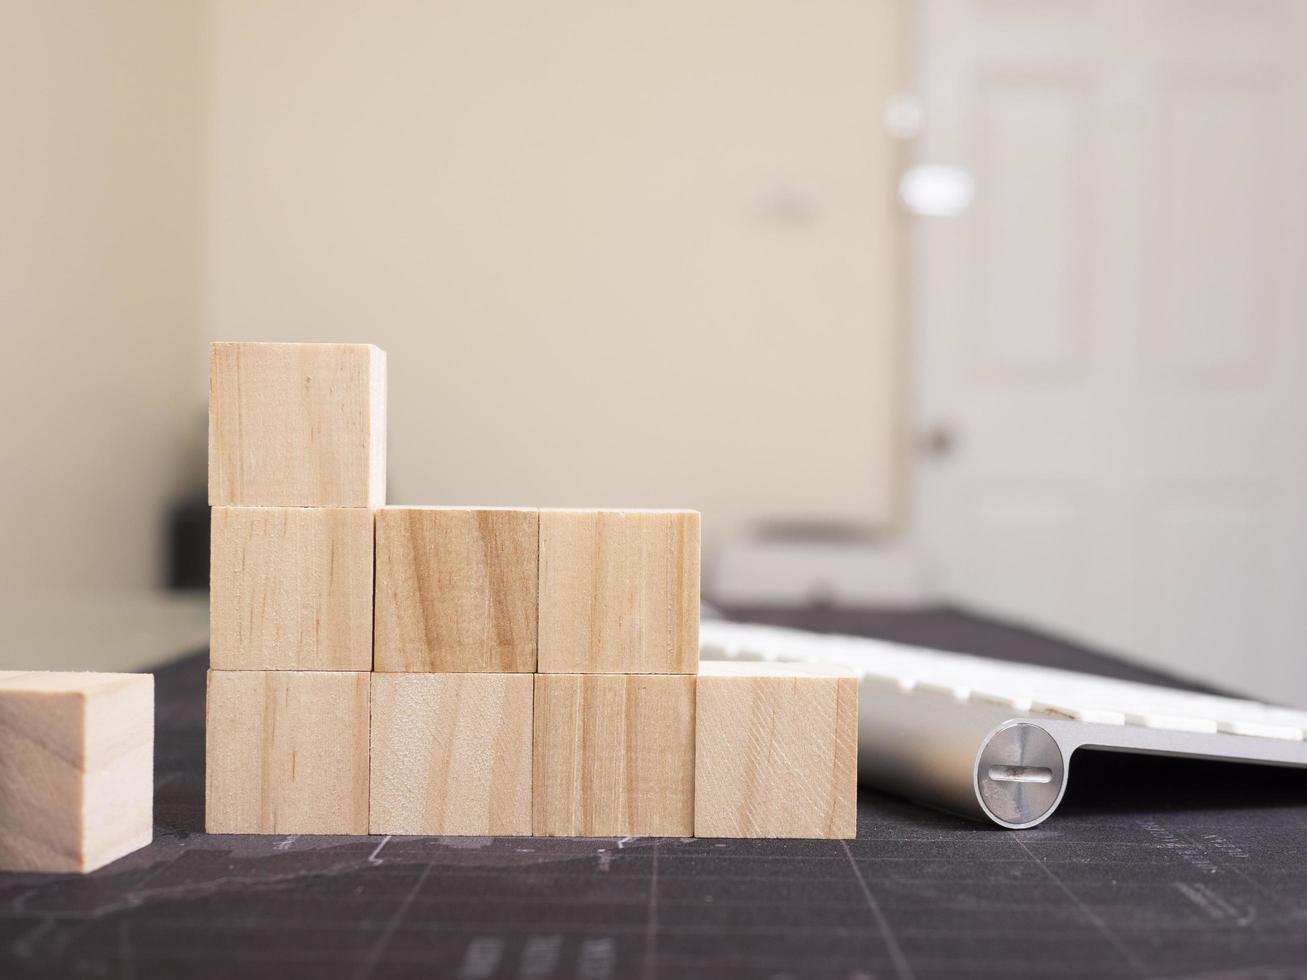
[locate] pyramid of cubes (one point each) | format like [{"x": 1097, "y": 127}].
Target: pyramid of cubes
[{"x": 473, "y": 670}]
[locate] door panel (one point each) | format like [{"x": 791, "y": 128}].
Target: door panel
[
  {"x": 1030, "y": 223},
  {"x": 1209, "y": 549},
  {"x": 1217, "y": 151},
  {"x": 1116, "y": 331}
]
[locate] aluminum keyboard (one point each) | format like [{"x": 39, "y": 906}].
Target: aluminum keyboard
[{"x": 993, "y": 739}]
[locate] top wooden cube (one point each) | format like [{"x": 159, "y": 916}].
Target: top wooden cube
[
  {"x": 619, "y": 592},
  {"x": 297, "y": 425}
]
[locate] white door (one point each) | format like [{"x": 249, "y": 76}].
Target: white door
[{"x": 1115, "y": 333}]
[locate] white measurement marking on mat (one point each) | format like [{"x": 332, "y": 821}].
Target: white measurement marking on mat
[
  {"x": 1226, "y": 847},
  {"x": 1213, "y": 904},
  {"x": 540, "y": 957},
  {"x": 466, "y": 843},
  {"x": 1187, "y": 852},
  {"x": 481, "y": 959},
  {"x": 596, "y": 959}
]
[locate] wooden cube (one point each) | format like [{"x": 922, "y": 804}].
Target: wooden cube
[
  {"x": 287, "y": 752},
  {"x": 76, "y": 769},
  {"x": 290, "y": 588},
  {"x": 297, "y": 425},
  {"x": 776, "y": 751},
  {"x": 451, "y": 753},
  {"x": 614, "y": 755},
  {"x": 619, "y": 591},
  {"x": 456, "y": 589}
]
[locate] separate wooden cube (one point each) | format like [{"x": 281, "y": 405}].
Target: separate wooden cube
[
  {"x": 619, "y": 591},
  {"x": 76, "y": 769},
  {"x": 614, "y": 755},
  {"x": 451, "y": 753},
  {"x": 776, "y": 751},
  {"x": 287, "y": 752},
  {"x": 456, "y": 589},
  {"x": 297, "y": 425},
  {"x": 290, "y": 588}
]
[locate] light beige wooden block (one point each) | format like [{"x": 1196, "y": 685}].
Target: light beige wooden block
[
  {"x": 614, "y": 755},
  {"x": 456, "y": 589},
  {"x": 619, "y": 591},
  {"x": 287, "y": 752},
  {"x": 76, "y": 769},
  {"x": 290, "y": 588},
  {"x": 451, "y": 753},
  {"x": 297, "y": 425},
  {"x": 776, "y": 751}
]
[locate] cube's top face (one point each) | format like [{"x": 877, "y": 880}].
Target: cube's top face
[
  {"x": 297, "y": 425},
  {"x": 441, "y": 521},
  {"x": 761, "y": 669},
  {"x": 628, "y": 513},
  {"x": 454, "y": 510},
  {"x": 67, "y": 681}
]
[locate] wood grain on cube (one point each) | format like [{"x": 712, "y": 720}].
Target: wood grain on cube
[
  {"x": 619, "y": 591},
  {"x": 451, "y": 753},
  {"x": 76, "y": 769},
  {"x": 614, "y": 755},
  {"x": 776, "y": 751},
  {"x": 456, "y": 589},
  {"x": 290, "y": 588},
  {"x": 297, "y": 425},
  {"x": 287, "y": 752}
]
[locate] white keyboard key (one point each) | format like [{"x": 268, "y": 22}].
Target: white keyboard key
[
  {"x": 1172, "y": 723},
  {"x": 958, "y": 692},
  {"x": 901, "y": 682},
  {"x": 1094, "y": 716},
  {"x": 1285, "y": 716},
  {"x": 1017, "y": 702},
  {"x": 1261, "y": 729}
]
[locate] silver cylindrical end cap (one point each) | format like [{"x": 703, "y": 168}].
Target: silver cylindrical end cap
[{"x": 1019, "y": 775}]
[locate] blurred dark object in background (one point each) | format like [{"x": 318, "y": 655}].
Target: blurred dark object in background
[
  {"x": 188, "y": 544},
  {"x": 799, "y": 564}
]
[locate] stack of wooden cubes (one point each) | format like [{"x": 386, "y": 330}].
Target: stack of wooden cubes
[
  {"x": 535, "y": 672},
  {"x": 483, "y": 671},
  {"x": 297, "y": 465}
]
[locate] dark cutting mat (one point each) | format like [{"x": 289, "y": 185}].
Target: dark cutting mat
[{"x": 1151, "y": 868}]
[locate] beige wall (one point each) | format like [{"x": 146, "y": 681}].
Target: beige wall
[
  {"x": 98, "y": 273},
  {"x": 561, "y": 221},
  {"x": 619, "y": 253}
]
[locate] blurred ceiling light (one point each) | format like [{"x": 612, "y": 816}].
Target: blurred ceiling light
[
  {"x": 937, "y": 190},
  {"x": 904, "y": 116}
]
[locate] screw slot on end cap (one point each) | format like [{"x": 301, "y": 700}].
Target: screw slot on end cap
[{"x": 1019, "y": 775}]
